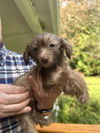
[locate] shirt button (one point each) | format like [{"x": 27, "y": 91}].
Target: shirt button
[{"x": 1, "y": 63}]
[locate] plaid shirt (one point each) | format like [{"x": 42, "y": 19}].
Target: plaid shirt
[{"x": 11, "y": 66}]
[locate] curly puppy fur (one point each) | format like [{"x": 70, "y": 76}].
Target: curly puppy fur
[{"x": 48, "y": 51}]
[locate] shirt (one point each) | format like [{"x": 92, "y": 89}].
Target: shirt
[{"x": 11, "y": 66}]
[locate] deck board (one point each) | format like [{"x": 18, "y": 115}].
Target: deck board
[{"x": 69, "y": 128}]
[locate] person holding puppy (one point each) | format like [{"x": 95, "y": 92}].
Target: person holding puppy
[{"x": 14, "y": 100}]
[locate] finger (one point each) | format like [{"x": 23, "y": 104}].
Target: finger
[
  {"x": 40, "y": 82},
  {"x": 56, "y": 91},
  {"x": 25, "y": 110},
  {"x": 13, "y": 98},
  {"x": 33, "y": 81},
  {"x": 35, "y": 86},
  {"x": 15, "y": 107},
  {"x": 12, "y": 89}
]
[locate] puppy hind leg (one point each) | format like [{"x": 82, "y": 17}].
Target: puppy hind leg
[{"x": 27, "y": 123}]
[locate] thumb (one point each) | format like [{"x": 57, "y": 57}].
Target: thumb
[{"x": 33, "y": 82}]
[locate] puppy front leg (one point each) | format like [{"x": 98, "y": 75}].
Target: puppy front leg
[{"x": 76, "y": 86}]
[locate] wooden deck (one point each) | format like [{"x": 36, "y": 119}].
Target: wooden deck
[{"x": 69, "y": 128}]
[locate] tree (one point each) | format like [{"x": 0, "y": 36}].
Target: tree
[{"x": 80, "y": 25}]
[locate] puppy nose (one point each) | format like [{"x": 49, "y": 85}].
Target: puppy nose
[{"x": 44, "y": 60}]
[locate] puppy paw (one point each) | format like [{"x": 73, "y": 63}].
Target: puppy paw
[{"x": 83, "y": 98}]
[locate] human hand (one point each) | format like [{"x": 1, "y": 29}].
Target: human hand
[
  {"x": 13, "y": 100},
  {"x": 0, "y": 31},
  {"x": 45, "y": 100}
]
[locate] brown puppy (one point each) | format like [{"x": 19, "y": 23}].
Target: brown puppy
[{"x": 48, "y": 51}]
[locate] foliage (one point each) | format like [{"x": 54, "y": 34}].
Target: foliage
[
  {"x": 70, "y": 111},
  {"x": 80, "y": 24}
]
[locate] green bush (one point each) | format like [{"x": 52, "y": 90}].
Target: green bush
[
  {"x": 71, "y": 111},
  {"x": 86, "y": 55}
]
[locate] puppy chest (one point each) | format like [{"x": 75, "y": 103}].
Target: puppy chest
[{"x": 51, "y": 80}]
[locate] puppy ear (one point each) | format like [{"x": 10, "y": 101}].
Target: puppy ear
[
  {"x": 67, "y": 47},
  {"x": 26, "y": 56}
]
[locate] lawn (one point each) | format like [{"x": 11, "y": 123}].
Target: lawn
[{"x": 94, "y": 87}]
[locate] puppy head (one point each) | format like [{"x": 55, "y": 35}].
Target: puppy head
[{"x": 46, "y": 50}]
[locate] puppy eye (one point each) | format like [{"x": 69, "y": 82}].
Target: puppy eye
[
  {"x": 51, "y": 45},
  {"x": 35, "y": 49}
]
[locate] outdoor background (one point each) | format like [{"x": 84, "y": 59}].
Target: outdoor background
[
  {"x": 78, "y": 21},
  {"x": 80, "y": 25}
]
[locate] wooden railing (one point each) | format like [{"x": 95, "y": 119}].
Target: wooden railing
[{"x": 69, "y": 128}]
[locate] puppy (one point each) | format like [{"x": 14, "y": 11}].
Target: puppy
[{"x": 48, "y": 51}]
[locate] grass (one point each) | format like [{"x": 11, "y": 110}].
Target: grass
[{"x": 94, "y": 87}]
